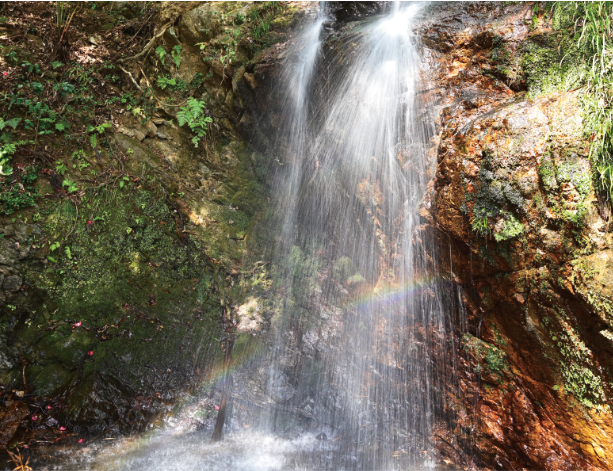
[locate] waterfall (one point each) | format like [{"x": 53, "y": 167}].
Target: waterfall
[
  {"x": 348, "y": 378},
  {"x": 360, "y": 300}
]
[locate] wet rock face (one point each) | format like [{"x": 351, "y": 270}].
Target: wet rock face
[
  {"x": 10, "y": 417},
  {"x": 513, "y": 198}
]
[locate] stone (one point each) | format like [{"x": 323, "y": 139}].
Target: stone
[
  {"x": 197, "y": 25},
  {"x": 16, "y": 56},
  {"x": 8, "y": 253},
  {"x": 10, "y": 415},
  {"x": 134, "y": 133},
  {"x": 100, "y": 401},
  {"x": 12, "y": 283},
  {"x": 151, "y": 129},
  {"x": 8, "y": 230},
  {"x": 51, "y": 380},
  {"x": 140, "y": 153},
  {"x": 24, "y": 231},
  {"x": 5, "y": 361}
]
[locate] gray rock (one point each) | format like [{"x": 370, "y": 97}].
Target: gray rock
[
  {"x": 8, "y": 230},
  {"x": 282, "y": 390},
  {"x": 6, "y": 363},
  {"x": 12, "y": 283},
  {"x": 8, "y": 253},
  {"x": 196, "y": 26},
  {"x": 24, "y": 231},
  {"x": 134, "y": 133}
]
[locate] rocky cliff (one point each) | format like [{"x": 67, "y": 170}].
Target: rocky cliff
[
  {"x": 138, "y": 251},
  {"x": 514, "y": 203}
]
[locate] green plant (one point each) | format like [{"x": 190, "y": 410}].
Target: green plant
[
  {"x": 15, "y": 196},
  {"x": 511, "y": 228},
  {"x": 193, "y": 114},
  {"x": 80, "y": 158},
  {"x": 7, "y": 146},
  {"x": 60, "y": 167},
  {"x": 173, "y": 84},
  {"x": 71, "y": 186},
  {"x": 95, "y": 131},
  {"x": 176, "y": 55},
  {"x": 29, "y": 68},
  {"x": 161, "y": 52},
  {"x": 589, "y": 23},
  {"x": 481, "y": 226}
]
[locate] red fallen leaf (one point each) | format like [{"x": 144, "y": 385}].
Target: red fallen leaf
[
  {"x": 78, "y": 324},
  {"x": 80, "y": 440},
  {"x": 90, "y": 353},
  {"x": 49, "y": 407},
  {"x": 34, "y": 418},
  {"x": 216, "y": 407}
]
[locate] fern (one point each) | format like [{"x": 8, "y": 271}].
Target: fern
[
  {"x": 7, "y": 146},
  {"x": 194, "y": 116}
]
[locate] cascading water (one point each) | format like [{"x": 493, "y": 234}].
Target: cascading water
[
  {"x": 348, "y": 381},
  {"x": 356, "y": 148}
]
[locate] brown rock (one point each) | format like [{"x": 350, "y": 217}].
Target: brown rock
[{"x": 10, "y": 416}]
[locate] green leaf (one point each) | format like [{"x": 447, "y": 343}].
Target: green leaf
[
  {"x": 93, "y": 140},
  {"x": 56, "y": 64},
  {"x": 161, "y": 53},
  {"x": 13, "y": 122}
]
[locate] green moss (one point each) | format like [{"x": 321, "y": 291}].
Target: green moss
[
  {"x": 547, "y": 174},
  {"x": 130, "y": 280},
  {"x": 511, "y": 228},
  {"x": 489, "y": 358},
  {"x": 551, "y": 63},
  {"x": 343, "y": 268},
  {"x": 576, "y": 367},
  {"x": 571, "y": 172}
]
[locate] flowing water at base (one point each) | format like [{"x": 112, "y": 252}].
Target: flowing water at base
[{"x": 174, "y": 450}]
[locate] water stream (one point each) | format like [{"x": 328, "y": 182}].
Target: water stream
[{"x": 347, "y": 381}]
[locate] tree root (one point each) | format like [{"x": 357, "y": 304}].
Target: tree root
[{"x": 149, "y": 44}]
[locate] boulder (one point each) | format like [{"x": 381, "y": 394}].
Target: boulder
[
  {"x": 12, "y": 283},
  {"x": 16, "y": 56},
  {"x": 99, "y": 402},
  {"x": 198, "y": 25},
  {"x": 10, "y": 415}
]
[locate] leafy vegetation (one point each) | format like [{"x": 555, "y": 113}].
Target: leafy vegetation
[
  {"x": 589, "y": 26},
  {"x": 193, "y": 114},
  {"x": 18, "y": 190}
]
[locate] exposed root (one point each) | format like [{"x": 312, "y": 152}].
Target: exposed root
[{"x": 149, "y": 44}]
